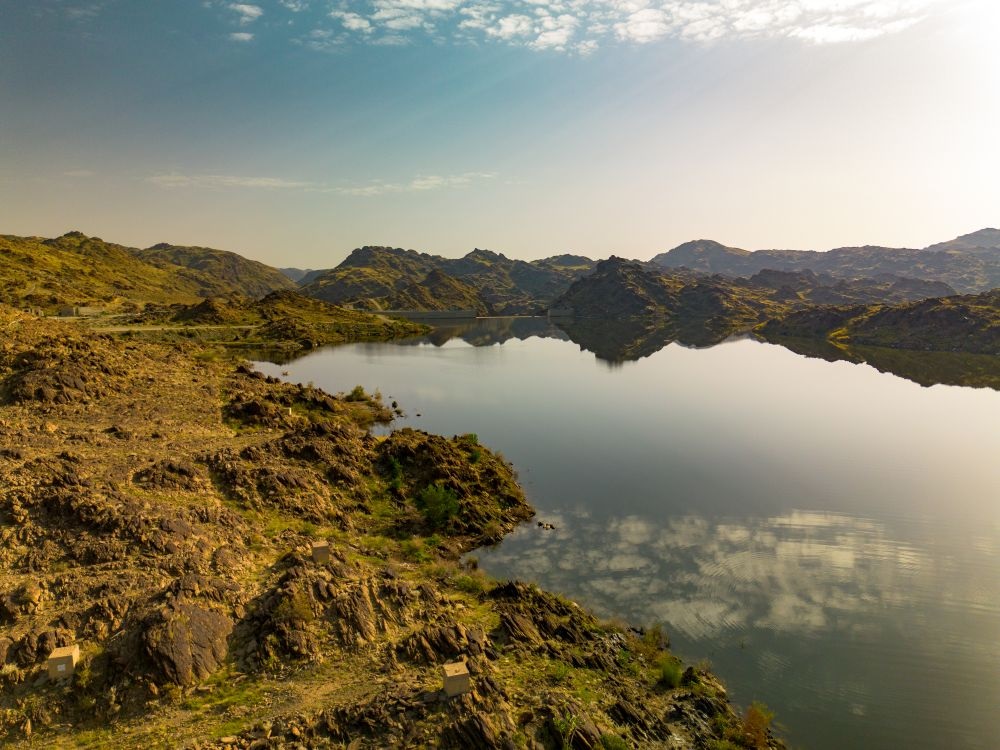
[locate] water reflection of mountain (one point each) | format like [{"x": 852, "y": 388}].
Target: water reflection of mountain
[
  {"x": 489, "y": 331},
  {"x": 613, "y": 341},
  {"x": 627, "y": 340},
  {"x": 925, "y": 368}
]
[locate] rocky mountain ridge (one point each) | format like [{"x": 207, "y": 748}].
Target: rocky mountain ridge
[{"x": 969, "y": 264}]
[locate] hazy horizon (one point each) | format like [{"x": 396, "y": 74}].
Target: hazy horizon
[{"x": 292, "y": 131}]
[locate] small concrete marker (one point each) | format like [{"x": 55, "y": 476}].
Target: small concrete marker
[
  {"x": 321, "y": 552},
  {"x": 456, "y": 678},
  {"x": 62, "y": 661}
]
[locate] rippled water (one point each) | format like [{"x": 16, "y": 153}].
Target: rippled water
[{"x": 826, "y": 535}]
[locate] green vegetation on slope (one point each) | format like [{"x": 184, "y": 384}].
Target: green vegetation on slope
[
  {"x": 283, "y": 320},
  {"x": 622, "y": 289},
  {"x": 438, "y": 291},
  {"x": 76, "y": 270},
  {"x": 247, "y": 277},
  {"x": 968, "y": 323},
  {"x": 378, "y": 278}
]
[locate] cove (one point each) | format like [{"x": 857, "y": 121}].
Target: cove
[{"x": 825, "y": 534}]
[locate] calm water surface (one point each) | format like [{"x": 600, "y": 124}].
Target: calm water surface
[{"x": 826, "y": 535}]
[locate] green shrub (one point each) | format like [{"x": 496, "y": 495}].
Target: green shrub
[
  {"x": 756, "y": 723},
  {"x": 395, "y": 474},
  {"x": 295, "y": 608},
  {"x": 613, "y": 742},
  {"x": 566, "y": 726},
  {"x": 356, "y": 394},
  {"x": 414, "y": 551},
  {"x": 723, "y": 745},
  {"x": 438, "y": 503},
  {"x": 470, "y": 584},
  {"x": 670, "y": 670},
  {"x": 559, "y": 671}
]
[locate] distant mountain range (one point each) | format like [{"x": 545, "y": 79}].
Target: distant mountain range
[
  {"x": 381, "y": 278},
  {"x": 970, "y": 263},
  {"x": 701, "y": 289}
]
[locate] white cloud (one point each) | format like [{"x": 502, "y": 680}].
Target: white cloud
[
  {"x": 84, "y": 12},
  {"x": 583, "y": 25},
  {"x": 644, "y": 25},
  {"x": 175, "y": 180},
  {"x": 419, "y": 184},
  {"x": 509, "y": 27},
  {"x": 248, "y": 13},
  {"x": 241, "y": 36},
  {"x": 353, "y": 22},
  {"x": 296, "y": 6}
]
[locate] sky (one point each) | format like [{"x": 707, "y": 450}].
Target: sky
[{"x": 292, "y": 131}]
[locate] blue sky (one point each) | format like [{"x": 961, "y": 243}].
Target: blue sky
[{"x": 294, "y": 130}]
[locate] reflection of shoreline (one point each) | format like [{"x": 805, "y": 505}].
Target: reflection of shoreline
[
  {"x": 924, "y": 368},
  {"x": 628, "y": 340}
]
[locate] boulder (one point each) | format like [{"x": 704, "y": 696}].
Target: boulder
[{"x": 186, "y": 643}]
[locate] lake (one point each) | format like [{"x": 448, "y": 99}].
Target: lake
[{"x": 826, "y": 535}]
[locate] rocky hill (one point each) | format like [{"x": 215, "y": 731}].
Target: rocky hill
[
  {"x": 969, "y": 264},
  {"x": 371, "y": 276},
  {"x": 243, "y": 276},
  {"x": 984, "y": 238},
  {"x": 620, "y": 289},
  {"x": 158, "y": 508},
  {"x": 826, "y": 289},
  {"x": 87, "y": 271},
  {"x": 438, "y": 291},
  {"x": 966, "y": 323},
  {"x": 76, "y": 270}
]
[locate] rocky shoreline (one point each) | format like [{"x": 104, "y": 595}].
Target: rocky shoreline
[{"x": 158, "y": 506}]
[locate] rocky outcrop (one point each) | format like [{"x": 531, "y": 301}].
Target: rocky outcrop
[
  {"x": 186, "y": 642},
  {"x": 165, "y": 526}
]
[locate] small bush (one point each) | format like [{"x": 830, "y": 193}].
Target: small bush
[
  {"x": 670, "y": 671},
  {"x": 438, "y": 503},
  {"x": 613, "y": 742},
  {"x": 414, "y": 551},
  {"x": 756, "y": 723},
  {"x": 723, "y": 745},
  {"x": 395, "y": 474},
  {"x": 295, "y": 608},
  {"x": 470, "y": 584},
  {"x": 566, "y": 726},
  {"x": 356, "y": 394},
  {"x": 559, "y": 671}
]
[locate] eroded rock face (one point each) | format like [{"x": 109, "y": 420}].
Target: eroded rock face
[{"x": 186, "y": 642}]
